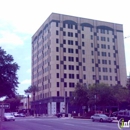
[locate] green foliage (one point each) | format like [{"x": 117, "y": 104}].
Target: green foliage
[
  {"x": 121, "y": 94},
  {"x": 100, "y": 94},
  {"x": 14, "y": 103},
  {"x": 8, "y": 76},
  {"x": 80, "y": 95},
  {"x": 32, "y": 89},
  {"x": 128, "y": 82}
]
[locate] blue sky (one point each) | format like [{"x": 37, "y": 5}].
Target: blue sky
[{"x": 19, "y": 20}]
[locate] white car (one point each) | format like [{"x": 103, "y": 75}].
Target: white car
[
  {"x": 101, "y": 118},
  {"x": 9, "y": 117}
]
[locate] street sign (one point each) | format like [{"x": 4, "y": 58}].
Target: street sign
[{"x": 5, "y": 106}]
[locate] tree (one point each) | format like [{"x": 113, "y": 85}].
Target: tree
[
  {"x": 80, "y": 95},
  {"x": 100, "y": 95},
  {"x": 128, "y": 82},
  {"x": 8, "y": 75},
  {"x": 121, "y": 94},
  {"x": 13, "y": 102},
  {"x": 32, "y": 89}
]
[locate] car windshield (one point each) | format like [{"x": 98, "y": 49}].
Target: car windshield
[{"x": 8, "y": 114}]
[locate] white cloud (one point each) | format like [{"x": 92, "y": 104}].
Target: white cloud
[
  {"x": 26, "y": 81},
  {"x": 10, "y": 39}
]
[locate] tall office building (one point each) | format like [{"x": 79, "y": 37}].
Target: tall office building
[{"x": 67, "y": 50}]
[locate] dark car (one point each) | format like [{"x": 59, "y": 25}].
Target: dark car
[
  {"x": 61, "y": 114},
  {"x": 123, "y": 114}
]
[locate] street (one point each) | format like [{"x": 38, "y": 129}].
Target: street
[{"x": 52, "y": 123}]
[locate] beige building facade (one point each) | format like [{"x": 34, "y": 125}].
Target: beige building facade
[{"x": 67, "y": 50}]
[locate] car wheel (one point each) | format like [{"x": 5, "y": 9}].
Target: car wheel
[
  {"x": 93, "y": 120},
  {"x": 110, "y": 121},
  {"x": 101, "y": 120}
]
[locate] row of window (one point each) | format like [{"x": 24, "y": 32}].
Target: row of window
[
  {"x": 71, "y": 34},
  {"x": 104, "y": 77},
  {"x": 71, "y": 67},
  {"x": 71, "y": 26},
  {"x": 65, "y": 84},
  {"x": 71, "y": 42},
  {"x": 70, "y": 76}
]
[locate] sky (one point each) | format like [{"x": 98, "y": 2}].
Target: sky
[{"x": 20, "y": 19}]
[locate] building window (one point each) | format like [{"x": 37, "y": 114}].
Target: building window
[
  {"x": 98, "y": 61},
  {"x": 57, "y": 40},
  {"x": 82, "y": 43},
  {"x": 83, "y": 60},
  {"x": 109, "y": 54},
  {"x": 93, "y": 69},
  {"x": 64, "y": 25},
  {"x": 82, "y": 35},
  {"x": 56, "y": 32},
  {"x": 70, "y": 76},
  {"x": 65, "y": 75},
  {"x": 64, "y": 41},
  {"x": 91, "y": 29},
  {"x": 76, "y": 34},
  {"x": 58, "y": 94},
  {"x": 99, "y": 69},
  {"x": 75, "y": 26},
  {"x": 57, "y": 84},
  {"x": 77, "y": 67},
  {"x": 64, "y": 49},
  {"x": 98, "y": 46},
  {"x": 98, "y": 53},
  {"x": 109, "y": 69},
  {"x": 114, "y": 62},
  {"x": 76, "y": 51},
  {"x": 84, "y": 76},
  {"x": 83, "y": 51},
  {"x": 97, "y": 37},
  {"x": 92, "y": 45},
  {"x": 64, "y": 33},
  {"x": 57, "y": 49},
  {"x": 65, "y": 84},
  {"x": 108, "y": 39},
  {"x": 108, "y": 46},
  {"x": 91, "y": 52},
  {"x": 57, "y": 75},
  {"x": 77, "y": 76},
  {"x": 84, "y": 69},
  {"x": 64, "y": 58},
  {"x": 110, "y": 77},
  {"x": 76, "y": 43},
  {"x": 57, "y": 57},
  {"x": 65, "y": 67},
  {"x": 56, "y": 24},
  {"x": 57, "y": 66},
  {"x": 92, "y": 60},
  {"x": 91, "y": 37},
  {"x": 77, "y": 59}
]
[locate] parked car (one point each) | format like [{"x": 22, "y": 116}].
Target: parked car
[
  {"x": 9, "y": 117},
  {"x": 124, "y": 114},
  {"x": 61, "y": 114},
  {"x": 19, "y": 114},
  {"x": 101, "y": 118}
]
